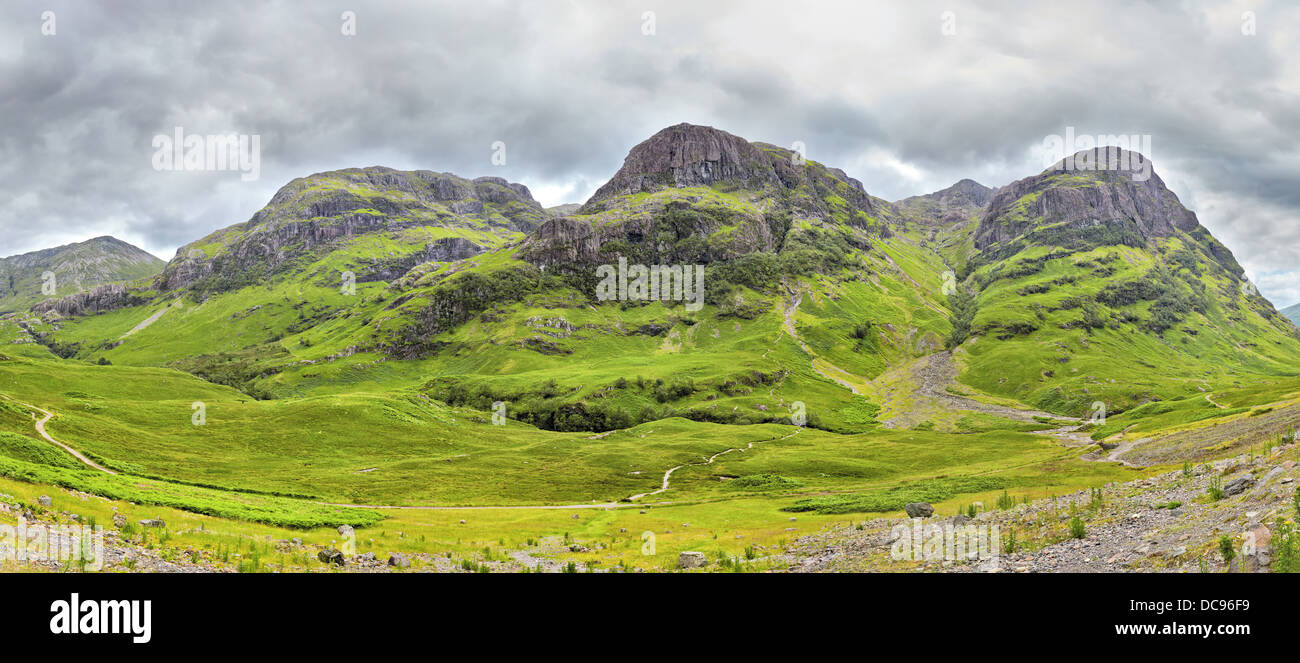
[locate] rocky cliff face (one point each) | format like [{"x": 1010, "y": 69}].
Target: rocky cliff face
[
  {"x": 75, "y": 268},
  {"x": 953, "y": 205},
  {"x": 712, "y": 196},
  {"x": 312, "y": 211},
  {"x": 1082, "y": 198},
  {"x": 687, "y": 155},
  {"x": 96, "y": 300}
]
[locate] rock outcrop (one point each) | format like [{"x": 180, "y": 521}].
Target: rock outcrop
[
  {"x": 97, "y": 300},
  {"x": 327, "y": 207},
  {"x": 1082, "y": 198}
]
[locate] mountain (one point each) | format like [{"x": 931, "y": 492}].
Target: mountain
[
  {"x": 421, "y": 214},
  {"x": 698, "y": 194},
  {"x": 952, "y": 205},
  {"x": 563, "y": 210},
  {"x": 1057, "y": 291},
  {"x": 76, "y": 268},
  {"x": 1292, "y": 313},
  {"x": 416, "y": 338},
  {"x": 1099, "y": 288}
]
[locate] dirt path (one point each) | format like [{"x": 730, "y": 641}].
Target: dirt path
[
  {"x": 40, "y": 428},
  {"x": 831, "y": 370},
  {"x": 595, "y": 505},
  {"x": 1213, "y": 402},
  {"x": 712, "y": 458}
]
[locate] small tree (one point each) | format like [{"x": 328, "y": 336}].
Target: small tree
[
  {"x": 1227, "y": 548},
  {"x": 1077, "y": 530}
]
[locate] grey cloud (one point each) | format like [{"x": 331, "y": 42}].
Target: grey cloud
[{"x": 571, "y": 85}]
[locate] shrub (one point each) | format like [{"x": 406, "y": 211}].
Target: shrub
[
  {"x": 1227, "y": 548},
  {"x": 1077, "y": 530},
  {"x": 1005, "y": 501},
  {"x": 1215, "y": 491}
]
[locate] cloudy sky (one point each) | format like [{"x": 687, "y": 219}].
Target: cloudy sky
[{"x": 906, "y": 96}]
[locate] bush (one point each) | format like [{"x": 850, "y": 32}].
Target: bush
[
  {"x": 1077, "y": 530},
  {"x": 1227, "y": 548},
  {"x": 1215, "y": 491}
]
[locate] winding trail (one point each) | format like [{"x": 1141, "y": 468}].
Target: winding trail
[
  {"x": 791, "y": 308},
  {"x": 594, "y": 505},
  {"x": 40, "y": 428}
]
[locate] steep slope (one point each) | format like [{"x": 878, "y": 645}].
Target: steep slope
[
  {"x": 948, "y": 218},
  {"x": 1089, "y": 287},
  {"x": 765, "y": 227},
  {"x": 953, "y": 205},
  {"x": 421, "y": 212},
  {"x": 76, "y": 268},
  {"x": 319, "y": 251}
]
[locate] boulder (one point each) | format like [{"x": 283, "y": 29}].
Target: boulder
[
  {"x": 330, "y": 556},
  {"x": 44, "y": 500},
  {"x": 119, "y": 520},
  {"x": 398, "y": 560},
  {"x": 692, "y": 560},
  {"x": 1238, "y": 486},
  {"x": 152, "y": 522},
  {"x": 919, "y": 510},
  {"x": 345, "y": 530}
]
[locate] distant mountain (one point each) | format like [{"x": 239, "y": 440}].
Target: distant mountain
[
  {"x": 75, "y": 268},
  {"x": 563, "y": 210},
  {"x": 1292, "y": 313},
  {"x": 955, "y": 204}
]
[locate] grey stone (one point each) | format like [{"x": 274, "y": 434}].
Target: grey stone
[
  {"x": 692, "y": 560},
  {"x": 1238, "y": 486},
  {"x": 919, "y": 510}
]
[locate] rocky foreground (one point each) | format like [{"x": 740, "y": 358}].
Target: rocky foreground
[{"x": 1170, "y": 522}]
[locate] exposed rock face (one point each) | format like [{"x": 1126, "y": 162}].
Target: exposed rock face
[
  {"x": 688, "y": 155},
  {"x": 326, "y": 207},
  {"x": 446, "y": 249},
  {"x": 949, "y": 206},
  {"x": 563, "y": 240},
  {"x": 98, "y": 300},
  {"x": 1082, "y": 198},
  {"x": 75, "y": 268},
  {"x": 754, "y": 192}
]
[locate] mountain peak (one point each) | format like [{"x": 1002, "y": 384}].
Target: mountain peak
[
  {"x": 1089, "y": 188},
  {"x": 686, "y": 155},
  {"x": 76, "y": 267}
]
